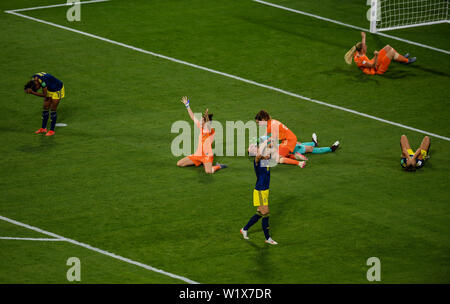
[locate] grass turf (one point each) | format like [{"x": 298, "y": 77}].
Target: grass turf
[{"x": 108, "y": 179}]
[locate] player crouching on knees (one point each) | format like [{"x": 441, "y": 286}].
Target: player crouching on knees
[
  {"x": 204, "y": 154},
  {"x": 379, "y": 63},
  {"x": 53, "y": 92},
  {"x": 261, "y": 165},
  {"x": 411, "y": 161}
]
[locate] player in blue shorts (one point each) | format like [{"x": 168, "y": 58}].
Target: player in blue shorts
[
  {"x": 410, "y": 160},
  {"x": 53, "y": 92},
  {"x": 261, "y": 165}
]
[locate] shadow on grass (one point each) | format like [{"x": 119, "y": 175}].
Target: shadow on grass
[
  {"x": 354, "y": 75},
  {"x": 42, "y": 144}
]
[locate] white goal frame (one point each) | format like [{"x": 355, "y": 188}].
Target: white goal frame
[{"x": 376, "y": 11}]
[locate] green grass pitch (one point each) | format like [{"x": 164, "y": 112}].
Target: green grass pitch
[{"x": 109, "y": 180}]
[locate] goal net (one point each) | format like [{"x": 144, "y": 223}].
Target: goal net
[{"x": 395, "y": 14}]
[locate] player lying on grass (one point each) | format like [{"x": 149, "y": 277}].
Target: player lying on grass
[
  {"x": 379, "y": 63},
  {"x": 53, "y": 92},
  {"x": 411, "y": 161},
  {"x": 301, "y": 148},
  {"x": 203, "y": 154},
  {"x": 261, "y": 165},
  {"x": 276, "y": 131}
]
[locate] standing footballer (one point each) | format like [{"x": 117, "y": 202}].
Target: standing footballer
[
  {"x": 53, "y": 92},
  {"x": 261, "y": 195}
]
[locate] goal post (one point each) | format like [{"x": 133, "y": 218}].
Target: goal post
[{"x": 388, "y": 15}]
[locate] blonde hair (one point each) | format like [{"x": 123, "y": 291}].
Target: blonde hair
[{"x": 348, "y": 57}]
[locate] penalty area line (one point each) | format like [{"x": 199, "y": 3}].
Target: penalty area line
[
  {"x": 104, "y": 252},
  {"x": 351, "y": 26},
  {"x": 30, "y": 239},
  {"x": 228, "y": 75},
  {"x": 55, "y": 5}
]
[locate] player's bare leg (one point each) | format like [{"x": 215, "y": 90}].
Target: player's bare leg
[
  {"x": 404, "y": 144},
  {"x": 185, "y": 162},
  {"x": 425, "y": 145},
  {"x": 210, "y": 169},
  {"x": 392, "y": 54}
]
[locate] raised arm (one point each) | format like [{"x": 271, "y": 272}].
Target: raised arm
[
  {"x": 363, "y": 40},
  {"x": 207, "y": 125},
  {"x": 185, "y": 101}
]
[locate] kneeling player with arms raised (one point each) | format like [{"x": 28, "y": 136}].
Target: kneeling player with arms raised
[
  {"x": 53, "y": 92},
  {"x": 261, "y": 195},
  {"x": 411, "y": 161},
  {"x": 204, "y": 154}
]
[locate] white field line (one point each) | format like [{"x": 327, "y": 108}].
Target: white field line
[
  {"x": 55, "y": 5},
  {"x": 113, "y": 255},
  {"x": 230, "y": 76},
  {"x": 351, "y": 26},
  {"x": 30, "y": 239}
]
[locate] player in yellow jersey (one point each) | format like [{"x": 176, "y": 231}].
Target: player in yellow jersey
[
  {"x": 52, "y": 91},
  {"x": 411, "y": 160}
]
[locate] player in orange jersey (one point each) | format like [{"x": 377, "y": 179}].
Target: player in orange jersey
[
  {"x": 276, "y": 131},
  {"x": 203, "y": 154},
  {"x": 379, "y": 63}
]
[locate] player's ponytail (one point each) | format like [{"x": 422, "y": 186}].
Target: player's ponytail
[{"x": 349, "y": 55}]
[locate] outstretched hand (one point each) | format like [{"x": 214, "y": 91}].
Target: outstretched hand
[{"x": 184, "y": 100}]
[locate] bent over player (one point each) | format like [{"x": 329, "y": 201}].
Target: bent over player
[
  {"x": 379, "y": 63},
  {"x": 276, "y": 131},
  {"x": 53, "y": 92},
  {"x": 411, "y": 161},
  {"x": 203, "y": 154},
  {"x": 261, "y": 196}
]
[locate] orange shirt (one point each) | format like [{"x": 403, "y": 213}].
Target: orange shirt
[
  {"x": 205, "y": 140},
  {"x": 283, "y": 132},
  {"x": 362, "y": 60}
]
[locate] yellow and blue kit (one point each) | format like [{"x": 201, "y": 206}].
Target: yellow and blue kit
[
  {"x": 261, "y": 191},
  {"x": 55, "y": 87},
  {"x": 419, "y": 162}
]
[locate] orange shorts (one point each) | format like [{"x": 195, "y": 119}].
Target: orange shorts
[
  {"x": 383, "y": 62},
  {"x": 287, "y": 146},
  {"x": 200, "y": 159}
]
